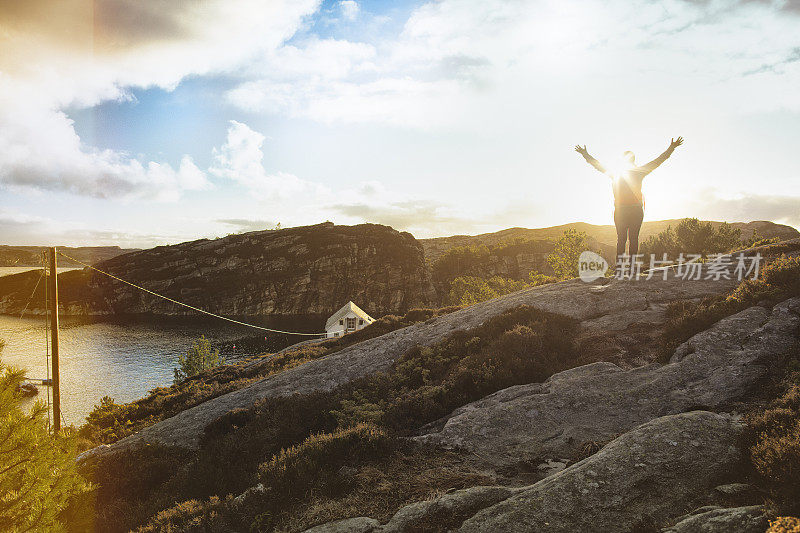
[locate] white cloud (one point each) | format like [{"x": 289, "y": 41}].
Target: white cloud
[
  {"x": 467, "y": 63},
  {"x": 349, "y": 9},
  {"x": 39, "y": 150},
  {"x": 240, "y": 159},
  {"x": 56, "y": 54}
]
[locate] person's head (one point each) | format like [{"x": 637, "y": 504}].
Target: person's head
[{"x": 629, "y": 157}]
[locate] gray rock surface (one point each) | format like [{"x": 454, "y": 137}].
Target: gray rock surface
[
  {"x": 749, "y": 519},
  {"x": 572, "y": 298},
  {"x": 448, "y": 510},
  {"x": 540, "y": 421},
  {"x": 639, "y": 480},
  {"x": 359, "y": 524}
]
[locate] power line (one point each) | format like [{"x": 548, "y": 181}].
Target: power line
[
  {"x": 41, "y": 274},
  {"x": 203, "y": 311}
]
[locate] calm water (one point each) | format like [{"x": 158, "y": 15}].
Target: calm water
[{"x": 125, "y": 360}]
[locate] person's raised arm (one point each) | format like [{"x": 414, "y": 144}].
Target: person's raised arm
[
  {"x": 652, "y": 165},
  {"x": 589, "y": 159}
]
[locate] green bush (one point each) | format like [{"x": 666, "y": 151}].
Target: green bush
[
  {"x": 199, "y": 358},
  {"x": 691, "y": 236},
  {"x": 564, "y": 258}
]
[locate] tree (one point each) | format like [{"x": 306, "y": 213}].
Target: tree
[
  {"x": 200, "y": 357},
  {"x": 564, "y": 258},
  {"x": 38, "y": 473}
]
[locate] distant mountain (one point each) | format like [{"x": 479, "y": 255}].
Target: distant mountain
[
  {"x": 604, "y": 235},
  {"x": 23, "y": 256}
]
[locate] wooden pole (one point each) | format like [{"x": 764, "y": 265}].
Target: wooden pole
[{"x": 54, "y": 338}]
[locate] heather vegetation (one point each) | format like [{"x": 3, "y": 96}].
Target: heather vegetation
[
  {"x": 778, "y": 280},
  {"x": 325, "y": 450}
]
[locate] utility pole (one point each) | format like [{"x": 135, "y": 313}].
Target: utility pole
[{"x": 54, "y": 339}]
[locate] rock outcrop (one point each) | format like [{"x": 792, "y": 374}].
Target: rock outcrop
[
  {"x": 529, "y": 424},
  {"x": 311, "y": 270},
  {"x": 637, "y": 482}
]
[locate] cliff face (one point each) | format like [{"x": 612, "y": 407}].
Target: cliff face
[{"x": 295, "y": 271}]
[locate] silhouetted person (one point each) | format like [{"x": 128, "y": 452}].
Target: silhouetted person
[{"x": 628, "y": 200}]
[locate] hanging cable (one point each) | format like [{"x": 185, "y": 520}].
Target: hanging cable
[
  {"x": 190, "y": 306},
  {"x": 32, "y": 294}
]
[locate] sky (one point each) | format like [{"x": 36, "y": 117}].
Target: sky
[{"x": 136, "y": 123}]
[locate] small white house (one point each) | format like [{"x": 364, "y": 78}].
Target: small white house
[{"x": 349, "y": 318}]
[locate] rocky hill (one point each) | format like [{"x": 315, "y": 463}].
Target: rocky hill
[
  {"x": 306, "y": 270},
  {"x": 603, "y": 237}
]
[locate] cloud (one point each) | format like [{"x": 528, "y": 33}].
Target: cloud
[
  {"x": 349, "y": 9},
  {"x": 56, "y": 54},
  {"x": 421, "y": 218},
  {"x": 39, "y": 150},
  {"x": 20, "y": 229},
  {"x": 246, "y": 224},
  {"x": 746, "y": 207},
  {"x": 240, "y": 159},
  {"x": 455, "y": 57}
]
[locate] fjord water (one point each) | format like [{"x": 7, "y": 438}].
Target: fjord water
[{"x": 124, "y": 360}]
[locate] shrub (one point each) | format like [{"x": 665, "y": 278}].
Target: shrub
[
  {"x": 775, "y": 452},
  {"x": 39, "y": 481},
  {"x": 564, "y": 258},
  {"x": 291, "y": 471},
  {"x": 190, "y": 515},
  {"x": 133, "y": 484},
  {"x": 199, "y": 358},
  {"x": 784, "y": 524}
]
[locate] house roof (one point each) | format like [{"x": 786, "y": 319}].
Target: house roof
[{"x": 347, "y": 308}]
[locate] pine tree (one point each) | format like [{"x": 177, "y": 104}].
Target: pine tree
[
  {"x": 38, "y": 473},
  {"x": 200, "y": 357}
]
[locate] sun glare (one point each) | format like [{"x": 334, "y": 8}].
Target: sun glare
[{"x": 618, "y": 166}]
